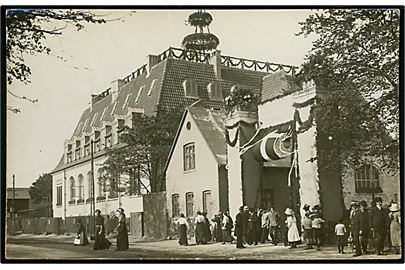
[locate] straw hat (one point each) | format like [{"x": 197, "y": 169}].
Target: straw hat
[
  {"x": 289, "y": 212},
  {"x": 245, "y": 208},
  {"x": 394, "y": 207}
]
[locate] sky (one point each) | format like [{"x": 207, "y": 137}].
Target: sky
[{"x": 99, "y": 54}]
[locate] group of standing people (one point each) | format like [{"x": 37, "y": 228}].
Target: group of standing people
[
  {"x": 377, "y": 224},
  {"x": 100, "y": 241},
  {"x": 254, "y": 226}
]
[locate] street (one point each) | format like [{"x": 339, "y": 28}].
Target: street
[{"x": 61, "y": 247}]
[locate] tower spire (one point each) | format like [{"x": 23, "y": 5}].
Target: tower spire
[{"x": 200, "y": 40}]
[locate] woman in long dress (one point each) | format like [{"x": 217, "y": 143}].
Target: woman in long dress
[
  {"x": 293, "y": 235},
  {"x": 227, "y": 228},
  {"x": 122, "y": 237},
  {"x": 183, "y": 227},
  {"x": 395, "y": 227},
  {"x": 200, "y": 229},
  {"x": 100, "y": 242},
  {"x": 81, "y": 233}
]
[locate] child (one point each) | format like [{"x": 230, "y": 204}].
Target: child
[
  {"x": 317, "y": 229},
  {"x": 340, "y": 231},
  {"x": 306, "y": 225}
]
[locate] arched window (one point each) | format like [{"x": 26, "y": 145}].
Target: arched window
[
  {"x": 367, "y": 179},
  {"x": 81, "y": 187},
  {"x": 72, "y": 189},
  {"x": 101, "y": 183}
]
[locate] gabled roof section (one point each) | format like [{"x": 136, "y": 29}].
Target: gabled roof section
[
  {"x": 211, "y": 124},
  {"x": 20, "y": 193}
]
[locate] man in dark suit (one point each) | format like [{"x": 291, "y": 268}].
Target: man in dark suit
[
  {"x": 365, "y": 226},
  {"x": 239, "y": 228},
  {"x": 379, "y": 221},
  {"x": 356, "y": 227},
  {"x": 360, "y": 227}
]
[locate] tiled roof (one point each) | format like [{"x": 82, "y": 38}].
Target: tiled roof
[
  {"x": 211, "y": 124},
  {"x": 167, "y": 91},
  {"x": 275, "y": 85},
  {"x": 20, "y": 193}
]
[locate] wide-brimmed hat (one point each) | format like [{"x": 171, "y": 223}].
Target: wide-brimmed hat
[
  {"x": 354, "y": 203},
  {"x": 245, "y": 208},
  {"x": 289, "y": 212},
  {"x": 394, "y": 207},
  {"x": 120, "y": 210}
]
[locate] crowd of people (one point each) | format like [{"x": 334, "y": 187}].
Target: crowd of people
[
  {"x": 100, "y": 240},
  {"x": 364, "y": 229}
]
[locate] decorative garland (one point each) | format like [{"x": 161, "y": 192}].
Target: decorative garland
[
  {"x": 305, "y": 103},
  {"x": 307, "y": 124},
  {"x": 228, "y": 140},
  {"x": 241, "y": 122}
]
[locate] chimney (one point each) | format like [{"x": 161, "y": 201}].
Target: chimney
[
  {"x": 115, "y": 88},
  {"x": 215, "y": 60},
  {"x": 153, "y": 60}
]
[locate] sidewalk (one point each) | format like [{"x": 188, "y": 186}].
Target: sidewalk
[{"x": 171, "y": 249}]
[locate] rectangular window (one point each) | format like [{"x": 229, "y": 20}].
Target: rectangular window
[
  {"x": 126, "y": 101},
  {"x": 69, "y": 156},
  {"x": 189, "y": 204},
  {"x": 175, "y": 205},
  {"x": 77, "y": 154},
  {"x": 59, "y": 195},
  {"x": 120, "y": 129},
  {"x": 189, "y": 157},
  {"x": 207, "y": 203},
  {"x": 134, "y": 185},
  {"x": 87, "y": 150}
]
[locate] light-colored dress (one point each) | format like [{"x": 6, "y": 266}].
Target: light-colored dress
[
  {"x": 293, "y": 234},
  {"x": 395, "y": 229}
]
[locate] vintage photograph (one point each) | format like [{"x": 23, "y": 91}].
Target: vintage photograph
[{"x": 202, "y": 134}]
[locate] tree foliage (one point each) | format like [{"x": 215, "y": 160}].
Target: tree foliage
[
  {"x": 356, "y": 59},
  {"x": 146, "y": 147},
  {"x": 41, "y": 189},
  {"x": 27, "y": 30}
]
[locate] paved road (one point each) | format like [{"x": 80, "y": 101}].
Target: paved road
[{"x": 34, "y": 247}]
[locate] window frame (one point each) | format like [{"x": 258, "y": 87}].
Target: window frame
[
  {"x": 175, "y": 205},
  {"x": 365, "y": 180},
  {"x": 189, "y": 157},
  {"x": 189, "y": 212}
]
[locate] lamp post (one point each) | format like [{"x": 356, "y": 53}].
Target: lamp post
[
  {"x": 13, "y": 208},
  {"x": 93, "y": 197}
]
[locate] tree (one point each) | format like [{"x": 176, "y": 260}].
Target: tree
[
  {"x": 144, "y": 152},
  {"x": 27, "y": 31},
  {"x": 356, "y": 59},
  {"x": 41, "y": 194}
]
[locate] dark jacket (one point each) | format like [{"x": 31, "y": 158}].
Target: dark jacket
[
  {"x": 239, "y": 226},
  {"x": 379, "y": 219},
  {"x": 360, "y": 222}
]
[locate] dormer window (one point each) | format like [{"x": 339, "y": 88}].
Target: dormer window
[
  {"x": 108, "y": 136},
  {"x": 94, "y": 119},
  {"x": 77, "y": 154},
  {"x": 77, "y": 143},
  {"x": 126, "y": 101},
  {"x": 139, "y": 94},
  {"x": 120, "y": 128},
  {"x": 190, "y": 88},
  {"x": 85, "y": 124},
  {"x": 113, "y": 109},
  {"x": 96, "y": 141},
  {"x": 151, "y": 87},
  {"x": 215, "y": 91},
  {"x": 86, "y": 146}
]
